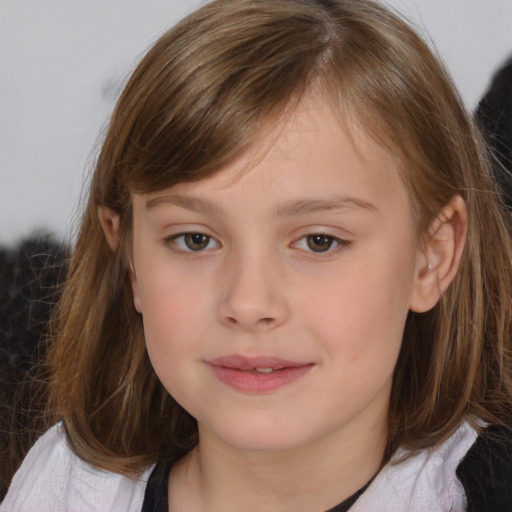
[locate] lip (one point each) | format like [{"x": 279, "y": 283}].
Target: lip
[{"x": 239, "y": 372}]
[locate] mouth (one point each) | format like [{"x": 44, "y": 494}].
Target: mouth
[{"x": 257, "y": 374}]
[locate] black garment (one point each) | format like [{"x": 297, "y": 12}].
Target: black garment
[
  {"x": 30, "y": 275},
  {"x": 485, "y": 473},
  {"x": 155, "y": 498},
  {"x": 494, "y": 115}
]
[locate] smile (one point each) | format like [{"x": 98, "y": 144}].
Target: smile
[{"x": 257, "y": 374}]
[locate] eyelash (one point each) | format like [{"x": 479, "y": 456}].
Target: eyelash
[{"x": 180, "y": 242}]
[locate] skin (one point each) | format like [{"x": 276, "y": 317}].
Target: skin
[{"x": 257, "y": 287}]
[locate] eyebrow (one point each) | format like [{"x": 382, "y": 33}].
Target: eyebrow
[
  {"x": 287, "y": 209},
  {"x": 189, "y": 203},
  {"x": 303, "y": 206}
]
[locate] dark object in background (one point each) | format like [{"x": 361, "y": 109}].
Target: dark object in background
[
  {"x": 29, "y": 278},
  {"x": 494, "y": 116}
]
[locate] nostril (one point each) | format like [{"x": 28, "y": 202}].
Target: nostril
[{"x": 264, "y": 322}]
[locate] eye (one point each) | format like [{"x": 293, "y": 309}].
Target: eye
[
  {"x": 320, "y": 242},
  {"x": 193, "y": 242}
]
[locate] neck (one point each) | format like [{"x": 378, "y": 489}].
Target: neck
[{"x": 312, "y": 477}]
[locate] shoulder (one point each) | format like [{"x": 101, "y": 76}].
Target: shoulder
[
  {"x": 423, "y": 482},
  {"x": 53, "y": 478}
]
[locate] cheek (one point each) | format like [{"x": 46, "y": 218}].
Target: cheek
[
  {"x": 360, "y": 312},
  {"x": 171, "y": 307},
  {"x": 171, "y": 332}
]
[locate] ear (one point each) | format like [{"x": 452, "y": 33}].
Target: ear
[
  {"x": 109, "y": 221},
  {"x": 439, "y": 259}
]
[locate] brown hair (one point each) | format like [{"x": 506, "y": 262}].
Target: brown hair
[{"x": 199, "y": 98}]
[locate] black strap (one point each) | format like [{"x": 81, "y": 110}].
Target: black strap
[
  {"x": 345, "y": 505},
  {"x": 486, "y": 472},
  {"x": 155, "y": 497}
]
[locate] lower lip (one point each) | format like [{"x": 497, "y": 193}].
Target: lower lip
[{"x": 254, "y": 382}]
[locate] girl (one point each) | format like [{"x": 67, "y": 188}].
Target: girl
[{"x": 291, "y": 287}]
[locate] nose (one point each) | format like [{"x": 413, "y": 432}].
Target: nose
[{"x": 253, "y": 297}]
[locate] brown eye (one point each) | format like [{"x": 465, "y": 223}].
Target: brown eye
[
  {"x": 319, "y": 242},
  {"x": 193, "y": 241},
  {"x": 196, "y": 241}
]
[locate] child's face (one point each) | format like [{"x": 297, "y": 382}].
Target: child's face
[{"x": 304, "y": 268}]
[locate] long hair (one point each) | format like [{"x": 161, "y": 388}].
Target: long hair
[{"x": 201, "y": 96}]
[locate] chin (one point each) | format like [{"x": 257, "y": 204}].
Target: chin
[{"x": 261, "y": 436}]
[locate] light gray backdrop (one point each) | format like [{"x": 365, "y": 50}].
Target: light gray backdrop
[{"x": 63, "y": 62}]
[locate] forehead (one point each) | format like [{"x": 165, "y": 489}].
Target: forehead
[{"x": 311, "y": 153}]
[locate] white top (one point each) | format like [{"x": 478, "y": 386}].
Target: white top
[
  {"x": 53, "y": 479},
  {"x": 424, "y": 483}
]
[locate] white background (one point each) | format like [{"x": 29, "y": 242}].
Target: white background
[{"x": 63, "y": 62}]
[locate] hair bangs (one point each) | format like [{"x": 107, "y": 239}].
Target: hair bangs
[{"x": 184, "y": 115}]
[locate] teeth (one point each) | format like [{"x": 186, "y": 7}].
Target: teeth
[{"x": 264, "y": 370}]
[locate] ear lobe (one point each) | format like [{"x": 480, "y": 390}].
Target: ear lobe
[
  {"x": 109, "y": 221},
  {"x": 439, "y": 259}
]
